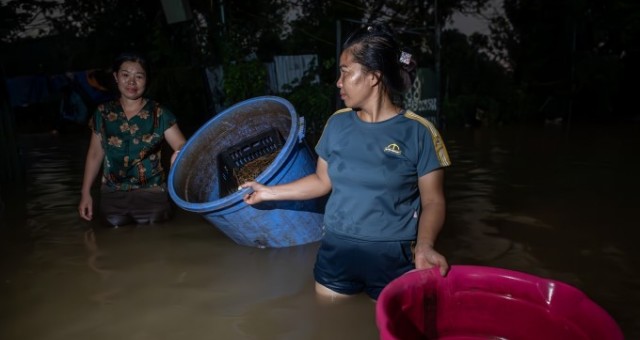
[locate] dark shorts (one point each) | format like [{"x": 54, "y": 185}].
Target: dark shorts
[
  {"x": 349, "y": 266},
  {"x": 140, "y": 206}
]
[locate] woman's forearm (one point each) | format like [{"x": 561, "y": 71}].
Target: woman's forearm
[{"x": 93, "y": 163}]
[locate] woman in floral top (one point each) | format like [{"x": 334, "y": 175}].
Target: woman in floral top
[{"x": 127, "y": 142}]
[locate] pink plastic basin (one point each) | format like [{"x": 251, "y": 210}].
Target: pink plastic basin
[{"x": 474, "y": 302}]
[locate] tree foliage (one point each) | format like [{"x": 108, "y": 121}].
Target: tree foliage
[
  {"x": 540, "y": 58},
  {"x": 570, "y": 56}
]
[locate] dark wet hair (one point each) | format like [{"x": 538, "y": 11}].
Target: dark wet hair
[
  {"x": 376, "y": 48},
  {"x": 133, "y": 57}
]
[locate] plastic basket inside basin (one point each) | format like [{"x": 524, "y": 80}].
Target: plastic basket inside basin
[{"x": 236, "y": 157}]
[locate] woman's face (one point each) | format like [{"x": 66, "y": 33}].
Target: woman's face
[
  {"x": 131, "y": 79},
  {"x": 357, "y": 86}
]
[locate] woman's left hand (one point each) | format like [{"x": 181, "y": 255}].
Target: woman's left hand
[
  {"x": 176, "y": 140},
  {"x": 426, "y": 257},
  {"x": 173, "y": 156}
]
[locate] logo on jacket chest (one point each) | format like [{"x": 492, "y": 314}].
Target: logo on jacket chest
[{"x": 393, "y": 149}]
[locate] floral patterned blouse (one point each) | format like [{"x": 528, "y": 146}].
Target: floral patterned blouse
[{"x": 133, "y": 146}]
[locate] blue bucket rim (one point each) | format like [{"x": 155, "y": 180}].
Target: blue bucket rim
[{"x": 266, "y": 175}]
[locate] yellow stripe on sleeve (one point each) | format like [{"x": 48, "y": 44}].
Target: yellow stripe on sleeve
[{"x": 441, "y": 150}]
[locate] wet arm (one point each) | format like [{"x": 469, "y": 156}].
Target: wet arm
[
  {"x": 176, "y": 140},
  {"x": 315, "y": 185},
  {"x": 95, "y": 156},
  {"x": 93, "y": 163},
  {"x": 431, "y": 221}
]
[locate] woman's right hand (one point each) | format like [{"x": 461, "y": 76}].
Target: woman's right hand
[
  {"x": 85, "y": 208},
  {"x": 259, "y": 193},
  {"x": 311, "y": 186}
]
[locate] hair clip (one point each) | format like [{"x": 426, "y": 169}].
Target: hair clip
[{"x": 405, "y": 57}]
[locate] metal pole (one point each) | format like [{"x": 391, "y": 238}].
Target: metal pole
[
  {"x": 572, "y": 85},
  {"x": 222, "y": 17},
  {"x": 436, "y": 49},
  {"x": 338, "y": 44}
]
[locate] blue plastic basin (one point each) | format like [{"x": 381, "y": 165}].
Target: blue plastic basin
[{"x": 194, "y": 179}]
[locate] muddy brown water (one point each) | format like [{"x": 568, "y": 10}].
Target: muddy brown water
[{"x": 558, "y": 204}]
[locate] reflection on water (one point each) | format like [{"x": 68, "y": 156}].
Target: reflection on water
[
  {"x": 546, "y": 202},
  {"x": 551, "y": 203}
]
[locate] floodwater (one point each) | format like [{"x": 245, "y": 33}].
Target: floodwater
[{"x": 546, "y": 201}]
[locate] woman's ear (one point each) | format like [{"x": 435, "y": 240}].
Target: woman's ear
[{"x": 374, "y": 78}]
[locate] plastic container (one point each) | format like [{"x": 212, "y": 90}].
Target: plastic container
[
  {"x": 233, "y": 160},
  {"x": 474, "y": 302},
  {"x": 195, "y": 180}
]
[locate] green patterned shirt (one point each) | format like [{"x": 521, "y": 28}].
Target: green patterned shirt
[{"x": 133, "y": 146}]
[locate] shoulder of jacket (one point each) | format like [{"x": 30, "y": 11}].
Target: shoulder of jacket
[
  {"x": 421, "y": 120},
  {"x": 345, "y": 109},
  {"x": 154, "y": 106},
  {"x": 107, "y": 106},
  {"x": 341, "y": 111}
]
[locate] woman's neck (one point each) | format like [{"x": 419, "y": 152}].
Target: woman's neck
[
  {"x": 378, "y": 112},
  {"x": 131, "y": 107}
]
